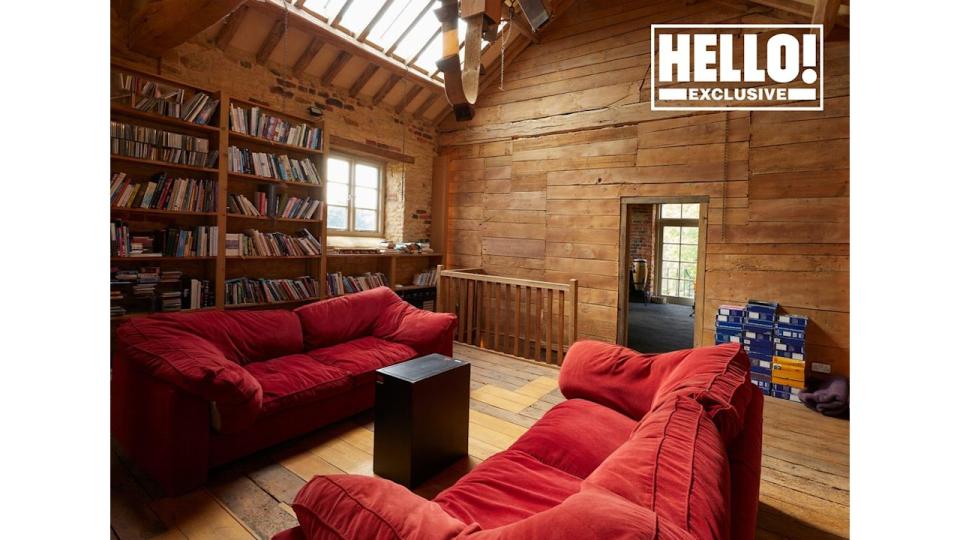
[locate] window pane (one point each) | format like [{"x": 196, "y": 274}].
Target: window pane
[
  {"x": 691, "y": 211},
  {"x": 670, "y": 211},
  {"x": 668, "y": 287},
  {"x": 689, "y": 235},
  {"x": 337, "y": 193},
  {"x": 670, "y": 270},
  {"x": 366, "y": 198},
  {"x": 365, "y": 220},
  {"x": 671, "y": 235},
  {"x": 688, "y": 270},
  {"x": 396, "y": 20},
  {"x": 688, "y": 253},
  {"x": 671, "y": 252},
  {"x": 338, "y": 170},
  {"x": 327, "y": 8},
  {"x": 359, "y": 15},
  {"x": 337, "y": 217},
  {"x": 433, "y": 52},
  {"x": 686, "y": 289},
  {"x": 367, "y": 176},
  {"x": 422, "y": 30}
]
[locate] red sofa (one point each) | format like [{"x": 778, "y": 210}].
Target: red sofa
[
  {"x": 646, "y": 446},
  {"x": 194, "y": 390}
]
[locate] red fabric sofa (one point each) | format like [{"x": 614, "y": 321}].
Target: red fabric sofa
[
  {"x": 660, "y": 446},
  {"x": 194, "y": 390}
]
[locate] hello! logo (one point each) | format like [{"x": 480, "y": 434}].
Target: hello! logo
[{"x": 736, "y": 67}]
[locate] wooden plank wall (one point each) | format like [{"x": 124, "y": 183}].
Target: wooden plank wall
[{"x": 535, "y": 179}]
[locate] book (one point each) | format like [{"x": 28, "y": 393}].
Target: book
[
  {"x": 151, "y": 289},
  {"x": 144, "y": 142},
  {"x": 246, "y": 290},
  {"x": 162, "y": 192},
  {"x": 267, "y": 202},
  {"x": 149, "y": 95},
  {"x": 268, "y": 165},
  {"x": 200, "y": 241},
  {"x": 338, "y": 284},
  {"x": 255, "y": 122},
  {"x": 254, "y": 243}
]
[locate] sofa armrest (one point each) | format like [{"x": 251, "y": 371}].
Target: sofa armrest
[
  {"x": 610, "y": 375},
  {"x": 362, "y": 507},
  {"x": 196, "y": 367},
  {"x": 427, "y": 332}
]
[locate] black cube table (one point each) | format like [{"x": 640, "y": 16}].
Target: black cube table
[{"x": 421, "y": 418}]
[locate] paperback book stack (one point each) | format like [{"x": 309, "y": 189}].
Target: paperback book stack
[
  {"x": 758, "y": 341},
  {"x": 253, "y": 243},
  {"x": 789, "y": 364},
  {"x": 255, "y": 122},
  {"x": 200, "y": 241},
  {"x": 163, "y": 193},
  {"x": 261, "y": 291},
  {"x": 160, "y": 145},
  {"x": 339, "y": 284},
  {"x": 279, "y": 166}
]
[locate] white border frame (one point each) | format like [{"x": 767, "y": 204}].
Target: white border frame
[{"x": 653, "y": 67}]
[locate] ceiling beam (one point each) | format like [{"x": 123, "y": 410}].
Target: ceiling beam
[
  {"x": 331, "y": 73},
  {"x": 385, "y": 88},
  {"x": 271, "y": 41},
  {"x": 343, "y": 11},
  {"x": 408, "y": 97},
  {"x": 362, "y": 36},
  {"x": 230, "y": 28},
  {"x": 425, "y": 106},
  {"x": 307, "y": 56},
  {"x": 362, "y": 80},
  {"x": 825, "y": 13},
  {"x": 156, "y": 26}
]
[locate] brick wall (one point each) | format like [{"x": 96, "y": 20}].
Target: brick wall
[
  {"x": 409, "y": 186},
  {"x": 641, "y": 236}
]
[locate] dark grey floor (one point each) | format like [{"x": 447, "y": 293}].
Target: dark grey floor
[{"x": 660, "y": 327}]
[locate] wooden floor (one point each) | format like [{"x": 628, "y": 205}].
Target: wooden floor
[{"x": 804, "y": 491}]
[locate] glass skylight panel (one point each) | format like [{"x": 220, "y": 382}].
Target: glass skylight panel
[
  {"x": 359, "y": 15},
  {"x": 328, "y": 9},
  {"x": 428, "y": 60},
  {"x": 397, "y": 19},
  {"x": 422, "y": 31}
]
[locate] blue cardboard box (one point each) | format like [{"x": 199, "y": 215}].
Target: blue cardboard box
[
  {"x": 730, "y": 319},
  {"x": 788, "y": 345},
  {"x": 735, "y": 311},
  {"x": 798, "y": 322},
  {"x": 751, "y": 331},
  {"x": 780, "y": 331}
]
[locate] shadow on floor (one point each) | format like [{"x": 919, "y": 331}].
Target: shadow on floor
[{"x": 659, "y": 327}]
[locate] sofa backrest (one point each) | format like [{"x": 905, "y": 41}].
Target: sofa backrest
[
  {"x": 344, "y": 318},
  {"x": 242, "y": 336}
]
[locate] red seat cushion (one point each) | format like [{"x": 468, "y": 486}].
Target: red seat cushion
[
  {"x": 675, "y": 464},
  {"x": 362, "y": 357},
  {"x": 506, "y": 488},
  {"x": 337, "y": 320},
  {"x": 576, "y": 436},
  {"x": 293, "y": 380}
]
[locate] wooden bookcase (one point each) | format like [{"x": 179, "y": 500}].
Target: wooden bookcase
[{"x": 399, "y": 268}]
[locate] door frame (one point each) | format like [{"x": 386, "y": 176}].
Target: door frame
[{"x": 623, "y": 293}]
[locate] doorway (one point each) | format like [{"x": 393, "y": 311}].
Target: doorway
[{"x": 662, "y": 273}]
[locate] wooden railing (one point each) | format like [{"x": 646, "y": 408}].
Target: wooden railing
[{"x": 536, "y": 320}]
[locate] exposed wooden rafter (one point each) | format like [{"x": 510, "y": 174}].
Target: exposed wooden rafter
[
  {"x": 362, "y": 80},
  {"x": 343, "y": 11},
  {"x": 408, "y": 97},
  {"x": 335, "y": 68},
  {"x": 229, "y": 29},
  {"x": 156, "y": 26},
  {"x": 425, "y": 106},
  {"x": 307, "y": 56},
  {"x": 825, "y": 13},
  {"x": 272, "y": 40},
  {"x": 803, "y": 8},
  {"x": 386, "y": 88}
]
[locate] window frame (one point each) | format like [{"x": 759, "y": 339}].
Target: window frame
[
  {"x": 662, "y": 223},
  {"x": 353, "y": 161}
]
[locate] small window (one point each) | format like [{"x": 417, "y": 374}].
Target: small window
[
  {"x": 679, "y": 236},
  {"x": 354, "y": 196}
]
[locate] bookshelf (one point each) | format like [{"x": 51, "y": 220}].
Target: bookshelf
[{"x": 400, "y": 268}]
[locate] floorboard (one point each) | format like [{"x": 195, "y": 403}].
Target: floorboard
[{"x": 804, "y": 494}]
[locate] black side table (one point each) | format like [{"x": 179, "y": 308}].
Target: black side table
[{"x": 421, "y": 419}]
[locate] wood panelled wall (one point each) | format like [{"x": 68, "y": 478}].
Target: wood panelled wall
[{"x": 534, "y": 181}]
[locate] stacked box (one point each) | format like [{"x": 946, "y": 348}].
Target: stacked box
[
  {"x": 729, "y": 324},
  {"x": 758, "y": 341},
  {"x": 789, "y": 365}
]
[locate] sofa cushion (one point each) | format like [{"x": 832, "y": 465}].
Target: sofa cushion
[
  {"x": 425, "y": 331},
  {"x": 293, "y": 380},
  {"x": 506, "y": 488},
  {"x": 336, "y": 320},
  {"x": 576, "y": 436},
  {"x": 675, "y": 464},
  {"x": 362, "y": 357},
  {"x": 634, "y": 383}
]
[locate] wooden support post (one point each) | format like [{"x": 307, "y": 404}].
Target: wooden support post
[
  {"x": 549, "y": 326},
  {"x": 439, "y": 303},
  {"x": 562, "y": 323},
  {"x": 574, "y": 307},
  {"x": 516, "y": 320}
]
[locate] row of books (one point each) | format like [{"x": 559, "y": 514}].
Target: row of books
[
  {"x": 163, "y": 193},
  {"x": 156, "y": 144},
  {"x": 259, "y": 291},
  {"x": 158, "y": 137},
  {"x": 253, "y": 243},
  {"x": 260, "y": 124},
  {"x": 339, "y": 284},
  {"x": 268, "y": 203},
  {"x": 426, "y": 279},
  {"x": 151, "y": 289},
  {"x": 199, "y": 110},
  {"x": 281, "y": 167},
  {"x": 200, "y": 241}
]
